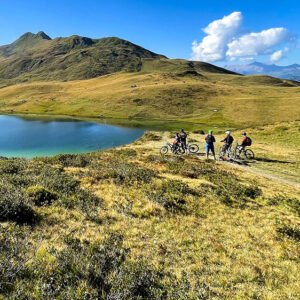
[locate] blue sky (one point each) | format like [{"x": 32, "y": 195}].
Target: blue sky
[{"x": 169, "y": 26}]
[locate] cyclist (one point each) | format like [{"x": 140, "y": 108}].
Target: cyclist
[
  {"x": 228, "y": 141},
  {"x": 245, "y": 142},
  {"x": 210, "y": 140},
  {"x": 177, "y": 140},
  {"x": 183, "y": 136}
]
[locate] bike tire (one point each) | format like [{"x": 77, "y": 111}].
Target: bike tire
[
  {"x": 221, "y": 153},
  {"x": 249, "y": 154},
  {"x": 179, "y": 151},
  {"x": 193, "y": 148},
  {"x": 164, "y": 150}
]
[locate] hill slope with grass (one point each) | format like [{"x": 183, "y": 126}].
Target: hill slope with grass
[
  {"x": 111, "y": 78},
  {"x": 38, "y": 57},
  {"x": 131, "y": 224},
  {"x": 162, "y": 91}
]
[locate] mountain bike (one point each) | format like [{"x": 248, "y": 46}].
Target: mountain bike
[
  {"x": 179, "y": 149},
  {"x": 243, "y": 153},
  {"x": 192, "y": 148},
  {"x": 229, "y": 152},
  {"x": 175, "y": 149}
]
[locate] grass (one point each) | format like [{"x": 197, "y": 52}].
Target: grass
[
  {"x": 161, "y": 99},
  {"x": 131, "y": 224}
]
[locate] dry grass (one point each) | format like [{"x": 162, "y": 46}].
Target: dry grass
[
  {"x": 246, "y": 249},
  {"x": 212, "y": 100}
]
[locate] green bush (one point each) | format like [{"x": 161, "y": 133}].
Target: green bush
[
  {"x": 231, "y": 192},
  {"x": 121, "y": 173},
  {"x": 15, "y": 206},
  {"x": 93, "y": 265},
  {"x": 14, "y": 249},
  {"x": 40, "y": 196},
  {"x": 150, "y": 136},
  {"x": 73, "y": 160},
  {"x": 137, "y": 281},
  {"x": 281, "y": 199},
  {"x": 291, "y": 231},
  {"x": 171, "y": 194}
]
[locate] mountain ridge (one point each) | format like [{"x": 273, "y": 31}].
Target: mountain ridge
[
  {"x": 38, "y": 57},
  {"x": 290, "y": 72}
]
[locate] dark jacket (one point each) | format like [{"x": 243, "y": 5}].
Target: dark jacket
[
  {"x": 210, "y": 139},
  {"x": 228, "y": 140}
]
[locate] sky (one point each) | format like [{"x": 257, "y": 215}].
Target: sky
[{"x": 221, "y": 32}]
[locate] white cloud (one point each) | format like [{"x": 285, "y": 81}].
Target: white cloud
[
  {"x": 256, "y": 43},
  {"x": 223, "y": 41},
  {"x": 276, "y": 56},
  {"x": 214, "y": 45}
]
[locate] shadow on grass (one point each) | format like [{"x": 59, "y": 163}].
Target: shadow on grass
[{"x": 269, "y": 160}]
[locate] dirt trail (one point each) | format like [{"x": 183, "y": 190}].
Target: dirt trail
[{"x": 261, "y": 173}]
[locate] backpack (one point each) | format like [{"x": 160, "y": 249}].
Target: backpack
[
  {"x": 249, "y": 141},
  {"x": 209, "y": 139}
]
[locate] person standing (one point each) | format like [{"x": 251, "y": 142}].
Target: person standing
[
  {"x": 183, "y": 137},
  {"x": 210, "y": 140}
]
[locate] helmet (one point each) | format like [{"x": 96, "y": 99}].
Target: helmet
[
  {"x": 228, "y": 132},
  {"x": 210, "y": 131},
  {"x": 244, "y": 133}
]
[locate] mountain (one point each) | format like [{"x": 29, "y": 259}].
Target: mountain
[
  {"x": 291, "y": 72},
  {"x": 35, "y": 57}
]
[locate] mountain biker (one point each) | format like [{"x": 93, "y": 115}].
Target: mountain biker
[
  {"x": 183, "y": 136},
  {"x": 228, "y": 141},
  {"x": 210, "y": 140},
  {"x": 177, "y": 140},
  {"x": 245, "y": 142}
]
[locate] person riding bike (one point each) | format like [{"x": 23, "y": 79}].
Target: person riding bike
[
  {"x": 183, "y": 137},
  {"x": 245, "y": 142},
  {"x": 228, "y": 141},
  {"x": 210, "y": 140}
]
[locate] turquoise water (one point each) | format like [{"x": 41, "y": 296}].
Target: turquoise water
[{"x": 25, "y": 137}]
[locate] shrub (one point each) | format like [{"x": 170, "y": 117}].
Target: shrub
[
  {"x": 92, "y": 265},
  {"x": 125, "y": 153},
  {"x": 181, "y": 167},
  {"x": 291, "y": 231},
  {"x": 73, "y": 160},
  {"x": 171, "y": 194},
  {"x": 56, "y": 180},
  {"x": 281, "y": 199},
  {"x": 231, "y": 192},
  {"x": 121, "y": 172},
  {"x": 40, "y": 196},
  {"x": 14, "y": 250},
  {"x": 15, "y": 206},
  {"x": 150, "y": 136},
  {"x": 137, "y": 281},
  {"x": 9, "y": 166}
]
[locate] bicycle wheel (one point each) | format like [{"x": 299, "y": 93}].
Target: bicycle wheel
[
  {"x": 249, "y": 154},
  {"x": 221, "y": 153},
  {"x": 164, "y": 150},
  {"x": 232, "y": 153},
  {"x": 193, "y": 148},
  {"x": 179, "y": 151}
]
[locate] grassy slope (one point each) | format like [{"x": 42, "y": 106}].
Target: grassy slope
[
  {"x": 245, "y": 249},
  {"x": 210, "y": 99}
]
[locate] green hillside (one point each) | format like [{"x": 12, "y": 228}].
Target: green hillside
[{"x": 38, "y": 57}]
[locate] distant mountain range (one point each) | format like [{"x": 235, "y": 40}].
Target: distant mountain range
[{"x": 285, "y": 72}]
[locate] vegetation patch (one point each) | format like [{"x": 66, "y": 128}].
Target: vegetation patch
[
  {"x": 15, "y": 206},
  {"x": 171, "y": 194}
]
